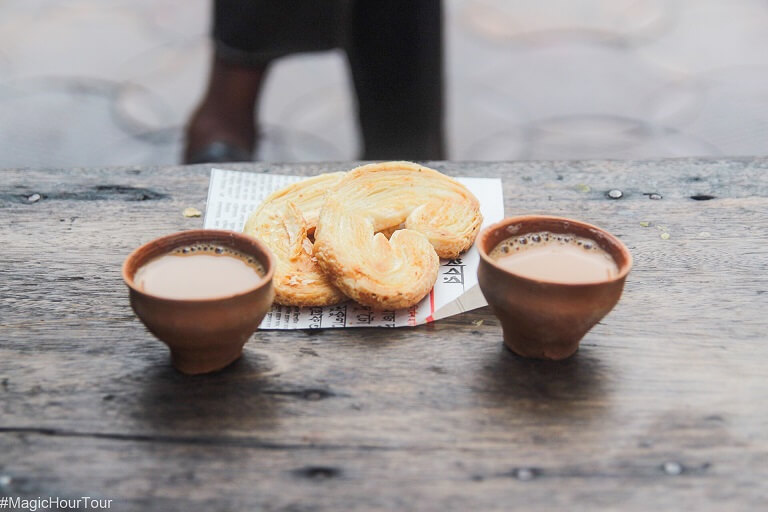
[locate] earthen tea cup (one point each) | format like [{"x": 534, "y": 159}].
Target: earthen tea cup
[
  {"x": 540, "y": 318},
  {"x": 208, "y": 334}
]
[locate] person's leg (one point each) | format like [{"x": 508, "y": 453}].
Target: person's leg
[
  {"x": 223, "y": 126},
  {"x": 395, "y": 50},
  {"x": 248, "y": 35}
]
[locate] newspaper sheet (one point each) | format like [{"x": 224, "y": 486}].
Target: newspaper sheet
[{"x": 233, "y": 195}]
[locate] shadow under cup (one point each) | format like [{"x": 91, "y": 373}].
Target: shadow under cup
[
  {"x": 543, "y": 319},
  {"x": 204, "y": 335}
]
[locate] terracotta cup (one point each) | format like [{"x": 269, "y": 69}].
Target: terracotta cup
[
  {"x": 542, "y": 319},
  {"x": 204, "y": 335}
]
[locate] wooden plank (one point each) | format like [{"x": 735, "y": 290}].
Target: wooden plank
[
  {"x": 672, "y": 381},
  {"x": 208, "y": 476}
]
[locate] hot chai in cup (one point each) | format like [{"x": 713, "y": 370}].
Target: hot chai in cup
[
  {"x": 201, "y": 292},
  {"x": 555, "y": 257},
  {"x": 549, "y": 280},
  {"x": 199, "y": 271}
]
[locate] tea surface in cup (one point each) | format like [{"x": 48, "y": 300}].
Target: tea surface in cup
[
  {"x": 199, "y": 271},
  {"x": 555, "y": 257}
]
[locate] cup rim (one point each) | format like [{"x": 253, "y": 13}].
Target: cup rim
[
  {"x": 196, "y": 236},
  {"x": 623, "y": 269}
]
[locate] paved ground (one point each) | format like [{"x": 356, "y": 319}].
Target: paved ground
[{"x": 102, "y": 82}]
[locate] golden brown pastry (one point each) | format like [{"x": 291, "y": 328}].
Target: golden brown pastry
[
  {"x": 440, "y": 218},
  {"x": 284, "y": 221}
]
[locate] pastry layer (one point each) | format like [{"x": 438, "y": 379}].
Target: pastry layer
[
  {"x": 284, "y": 222},
  {"x": 428, "y": 214}
]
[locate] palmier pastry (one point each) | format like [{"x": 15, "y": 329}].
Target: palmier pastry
[
  {"x": 284, "y": 222},
  {"x": 440, "y": 218}
]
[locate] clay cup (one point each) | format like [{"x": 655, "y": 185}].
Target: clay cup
[
  {"x": 542, "y": 319},
  {"x": 204, "y": 335}
]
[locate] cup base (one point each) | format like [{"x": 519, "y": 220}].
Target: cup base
[
  {"x": 552, "y": 352},
  {"x": 191, "y": 362}
]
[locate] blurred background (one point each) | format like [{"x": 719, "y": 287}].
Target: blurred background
[{"x": 112, "y": 82}]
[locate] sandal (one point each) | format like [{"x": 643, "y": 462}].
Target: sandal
[{"x": 218, "y": 152}]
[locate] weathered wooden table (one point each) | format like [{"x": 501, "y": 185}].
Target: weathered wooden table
[{"x": 665, "y": 407}]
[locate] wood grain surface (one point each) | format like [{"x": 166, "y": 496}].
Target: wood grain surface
[{"x": 664, "y": 407}]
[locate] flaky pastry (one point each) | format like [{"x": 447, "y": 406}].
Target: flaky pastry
[
  {"x": 284, "y": 222},
  {"x": 439, "y": 216}
]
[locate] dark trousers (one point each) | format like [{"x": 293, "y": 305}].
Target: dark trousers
[{"x": 395, "y": 52}]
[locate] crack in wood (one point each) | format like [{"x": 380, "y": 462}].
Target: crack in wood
[
  {"x": 644, "y": 471},
  {"x": 97, "y": 193},
  {"x": 318, "y": 472},
  {"x": 306, "y": 394},
  {"x": 240, "y": 442}
]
